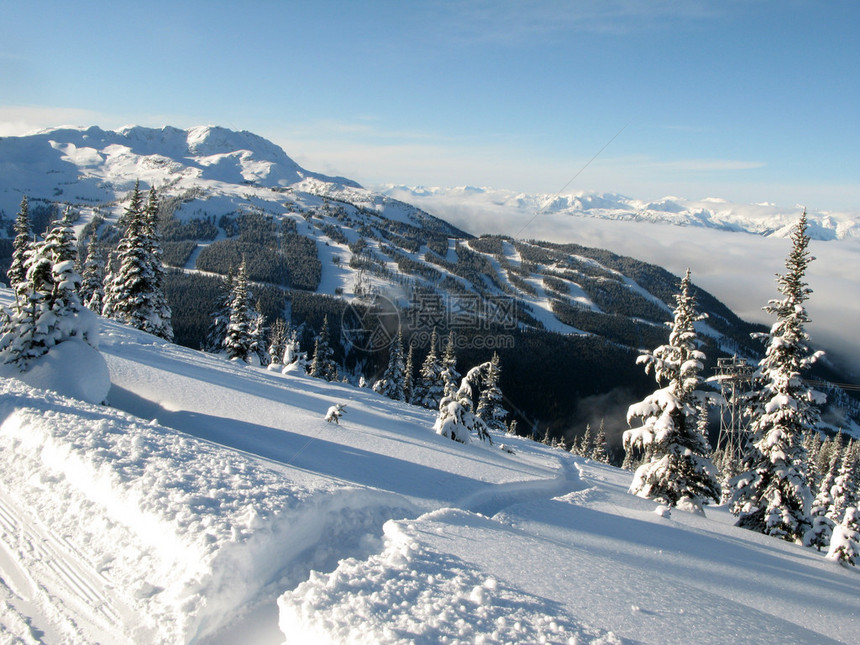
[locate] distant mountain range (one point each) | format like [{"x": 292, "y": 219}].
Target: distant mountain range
[{"x": 759, "y": 219}]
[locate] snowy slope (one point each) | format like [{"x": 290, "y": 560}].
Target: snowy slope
[{"x": 210, "y": 490}]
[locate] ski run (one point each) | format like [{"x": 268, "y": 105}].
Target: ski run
[{"x": 209, "y": 502}]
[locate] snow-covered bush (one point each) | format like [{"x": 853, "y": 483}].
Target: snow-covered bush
[{"x": 845, "y": 541}]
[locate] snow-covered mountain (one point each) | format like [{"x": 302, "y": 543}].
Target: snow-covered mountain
[
  {"x": 228, "y": 170},
  {"x": 210, "y": 503},
  {"x": 764, "y": 219},
  {"x": 360, "y": 242}
]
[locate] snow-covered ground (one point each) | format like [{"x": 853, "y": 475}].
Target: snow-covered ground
[{"x": 211, "y": 503}]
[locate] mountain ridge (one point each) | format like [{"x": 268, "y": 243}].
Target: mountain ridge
[{"x": 764, "y": 219}]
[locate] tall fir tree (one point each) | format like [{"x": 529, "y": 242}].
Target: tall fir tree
[
  {"x": 160, "y": 317},
  {"x": 844, "y": 491},
  {"x": 491, "y": 403},
  {"x": 134, "y": 291},
  {"x": 586, "y": 443},
  {"x": 822, "y": 525},
  {"x": 22, "y": 243},
  {"x": 259, "y": 347},
  {"x": 323, "y": 365},
  {"x": 599, "y": 453},
  {"x": 772, "y": 494},
  {"x": 450, "y": 375},
  {"x": 430, "y": 387},
  {"x": 219, "y": 318},
  {"x": 238, "y": 337},
  {"x": 277, "y": 346},
  {"x": 676, "y": 470},
  {"x": 392, "y": 383},
  {"x": 92, "y": 277},
  {"x": 409, "y": 378}
]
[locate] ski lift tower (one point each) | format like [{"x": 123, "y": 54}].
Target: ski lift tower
[{"x": 734, "y": 376}]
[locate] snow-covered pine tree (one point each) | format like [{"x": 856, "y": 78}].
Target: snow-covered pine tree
[
  {"x": 430, "y": 387},
  {"x": 599, "y": 453},
  {"x": 812, "y": 447},
  {"x": 22, "y": 243},
  {"x": 160, "y": 317},
  {"x": 322, "y": 364},
  {"x": 586, "y": 443},
  {"x": 829, "y": 446},
  {"x": 92, "y": 278},
  {"x": 627, "y": 463},
  {"x": 409, "y": 376},
  {"x": 294, "y": 357},
  {"x": 772, "y": 494},
  {"x": 238, "y": 339},
  {"x": 134, "y": 293},
  {"x": 220, "y": 317},
  {"x": 456, "y": 419},
  {"x": 822, "y": 526},
  {"x": 259, "y": 350},
  {"x": 277, "y": 343},
  {"x": 49, "y": 309},
  {"x": 844, "y": 492},
  {"x": 676, "y": 470},
  {"x": 393, "y": 379},
  {"x": 491, "y": 403},
  {"x": 845, "y": 541},
  {"x": 450, "y": 375}
]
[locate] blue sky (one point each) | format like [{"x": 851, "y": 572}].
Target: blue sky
[{"x": 750, "y": 101}]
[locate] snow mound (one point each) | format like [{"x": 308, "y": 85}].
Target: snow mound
[
  {"x": 172, "y": 535},
  {"x": 73, "y": 368},
  {"x": 414, "y": 593}
]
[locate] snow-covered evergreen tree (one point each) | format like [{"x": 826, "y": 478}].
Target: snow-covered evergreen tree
[
  {"x": 844, "y": 492},
  {"x": 323, "y": 365},
  {"x": 160, "y": 317},
  {"x": 450, "y": 375},
  {"x": 22, "y": 243},
  {"x": 586, "y": 443},
  {"x": 822, "y": 526},
  {"x": 220, "y": 317},
  {"x": 491, "y": 403},
  {"x": 134, "y": 292},
  {"x": 811, "y": 448},
  {"x": 277, "y": 343},
  {"x": 409, "y": 376},
  {"x": 49, "y": 310},
  {"x": 92, "y": 278},
  {"x": 259, "y": 348},
  {"x": 772, "y": 494},
  {"x": 845, "y": 541},
  {"x": 238, "y": 337},
  {"x": 829, "y": 447},
  {"x": 677, "y": 469},
  {"x": 455, "y": 419},
  {"x": 430, "y": 387},
  {"x": 294, "y": 357},
  {"x": 599, "y": 454},
  {"x": 392, "y": 383}
]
